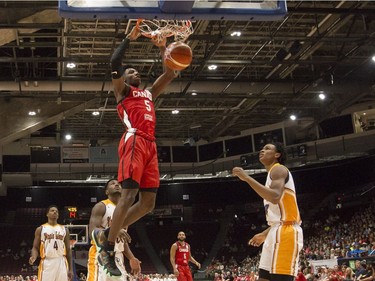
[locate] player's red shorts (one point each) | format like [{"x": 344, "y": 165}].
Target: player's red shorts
[
  {"x": 184, "y": 273},
  {"x": 138, "y": 160}
]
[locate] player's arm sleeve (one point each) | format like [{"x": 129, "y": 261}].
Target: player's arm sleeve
[{"x": 116, "y": 59}]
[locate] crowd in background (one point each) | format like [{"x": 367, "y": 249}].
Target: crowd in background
[{"x": 343, "y": 233}]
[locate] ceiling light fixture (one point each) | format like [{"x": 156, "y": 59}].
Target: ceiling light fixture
[
  {"x": 68, "y": 137},
  {"x": 212, "y": 67},
  {"x": 293, "y": 117},
  {"x": 373, "y": 58},
  {"x": 193, "y": 93},
  {"x": 322, "y": 96},
  {"x": 195, "y": 126},
  {"x": 32, "y": 113},
  {"x": 176, "y": 111},
  {"x": 95, "y": 113},
  {"x": 70, "y": 65},
  {"x": 236, "y": 33}
]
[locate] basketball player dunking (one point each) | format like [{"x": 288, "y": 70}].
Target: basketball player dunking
[
  {"x": 180, "y": 255},
  {"x": 52, "y": 242},
  {"x": 138, "y": 167}
]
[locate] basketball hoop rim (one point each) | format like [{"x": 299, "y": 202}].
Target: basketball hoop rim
[{"x": 161, "y": 29}]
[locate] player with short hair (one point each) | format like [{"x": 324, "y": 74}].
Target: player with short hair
[
  {"x": 138, "y": 167},
  {"x": 283, "y": 240},
  {"x": 180, "y": 255},
  {"x": 101, "y": 217},
  {"x": 52, "y": 242}
]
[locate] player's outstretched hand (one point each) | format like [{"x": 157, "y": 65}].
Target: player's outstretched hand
[
  {"x": 70, "y": 275},
  {"x": 134, "y": 34},
  {"x": 257, "y": 240},
  {"x": 176, "y": 272},
  {"x": 240, "y": 173},
  {"x": 135, "y": 265},
  {"x": 32, "y": 260}
]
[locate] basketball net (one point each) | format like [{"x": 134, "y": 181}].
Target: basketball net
[{"x": 161, "y": 29}]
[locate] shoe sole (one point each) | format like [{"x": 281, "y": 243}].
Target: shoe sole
[
  {"x": 108, "y": 273},
  {"x": 111, "y": 275}
]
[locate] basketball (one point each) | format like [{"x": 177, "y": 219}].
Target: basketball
[{"x": 178, "y": 56}]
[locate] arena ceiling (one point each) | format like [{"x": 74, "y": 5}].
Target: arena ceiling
[{"x": 274, "y": 69}]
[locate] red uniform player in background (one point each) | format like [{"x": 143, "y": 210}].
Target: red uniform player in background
[{"x": 180, "y": 256}]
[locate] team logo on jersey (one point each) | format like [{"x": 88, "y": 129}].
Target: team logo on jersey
[
  {"x": 49, "y": 236},
  {"x": 142, "y": 94}
]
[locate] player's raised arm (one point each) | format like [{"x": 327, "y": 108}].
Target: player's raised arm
[
  {"x": 117, "y": 70},
  {"x": 168, "y": 75}
]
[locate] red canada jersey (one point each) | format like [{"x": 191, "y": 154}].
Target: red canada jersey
[
  {"x": 182, "y": 254},
  {"x": 137, "y": 111}
]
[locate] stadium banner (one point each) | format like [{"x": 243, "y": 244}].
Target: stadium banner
[
  {"x": 316, "y": 264},
  {"x": 72, "y": 154},
  {"x": 107, "y": 154}
]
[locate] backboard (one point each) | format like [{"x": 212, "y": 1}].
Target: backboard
[
  {"x": 79, "y": 233},
  {"x": 239, "y": 10}
]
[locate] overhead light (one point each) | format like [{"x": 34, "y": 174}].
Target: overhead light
[
  {"x": 68, "y": 137},
  {"x": 364, "y": 113},
  {"x": 95, "y": 113},
  {"x": 212, "y": 67},
  {"x": 195, "y": 126},
  {"x": 189, "y": 142},
  {"x": 176, "y": 111},
  {"x": 32, "y": 113},
  {"x": 70, "y": 65},
  {"x": 373, "y": 58},
  {"x": 193, "y": 93},
  {"x": 292, "y": 117},
  {"x": 235, "y": 33},
  {"x": 322, "y": 96}
]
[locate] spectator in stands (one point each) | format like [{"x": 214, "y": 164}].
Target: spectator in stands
[
  {"x": 82, "y": 277},
  {"x": 56, "y": 255},
  {"x": 180, "y": 255},
  {"x": 349, "y": 274},
  {"x": 370, "y": 272},
  {"x": 300, "y": 275},
  {"x": 218, "y": 277},
  {"x": 361, "y": 270},
  {"x": 100, "y": 219},
  {"x": 228, "y": 276},
  {"x": 282, "y": 216},
  {"x": 24, "y": 268}
]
